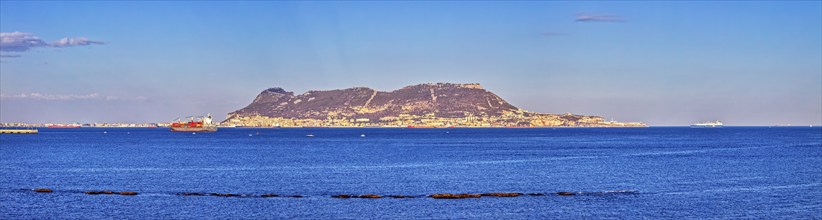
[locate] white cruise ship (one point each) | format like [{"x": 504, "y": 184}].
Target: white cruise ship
[{"x": 710, "y": 124}]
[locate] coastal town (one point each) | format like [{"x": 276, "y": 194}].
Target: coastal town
[
  {"x": 429, "y": 105},
  {"x": 513, "y": 119}
]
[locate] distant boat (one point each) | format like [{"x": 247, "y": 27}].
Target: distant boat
[
  {"x": 309, "y": 135},
  {"x": 710, "y": 124},
  {"x": 196, "y": 124}
]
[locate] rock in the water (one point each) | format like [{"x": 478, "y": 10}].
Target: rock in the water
[
  {"x": 369, "y": 196},
  {"x": 128, "y": 193},
  {"x": 566, "y": 193},
  {"x": 224, "y": 194},
  {"x": 341, "y": 196},
  {"x": 269, "y": 195},
  {"x": 400, "y": 196},
  {"x": 190, "y": 194},
  {"x": 43, "y": 190},
  {"x": 454, "y": 196},
  {"x": 502, "y": 194},
  {"x": 536, "y": 194},
  {"x": 98, "y": 192}
]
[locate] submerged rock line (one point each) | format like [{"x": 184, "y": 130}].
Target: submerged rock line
[{"x": 348, "y": 196}]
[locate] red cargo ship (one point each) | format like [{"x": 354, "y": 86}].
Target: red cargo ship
[{"x": 194, "y": 124}]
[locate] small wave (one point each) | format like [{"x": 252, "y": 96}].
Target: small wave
[
  {"x": 743, "y": 189},
  {"x": 332, "y": 167},
  {"x": 610, "y": 192},
  {"x": 715, "y": 149},
  {"x": 722, "y": 180},
  {"x": 407, "y": 165}
]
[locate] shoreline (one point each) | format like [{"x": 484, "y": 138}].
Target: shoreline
[{"x": 563, "y": 127}]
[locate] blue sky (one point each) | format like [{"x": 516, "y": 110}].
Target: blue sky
[{"x": 664, "y": 63}]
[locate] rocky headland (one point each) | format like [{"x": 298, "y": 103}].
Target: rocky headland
[{"x": 423, "y": 105}]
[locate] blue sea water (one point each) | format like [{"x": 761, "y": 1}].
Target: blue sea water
[{"x": 664, "y": 172}]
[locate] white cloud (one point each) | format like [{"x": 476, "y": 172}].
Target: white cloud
[
  {"x": 66, "y": 97},
  {"x": 22, "y": 41},
  {"x": 588, "y": 17},
  {"x": 19, "y": 41},
  {"x": 80, "y": 41},
  {"x": 40, "y": 96}
]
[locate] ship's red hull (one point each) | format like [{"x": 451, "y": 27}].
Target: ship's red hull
[{"x": 194, "y": 125}]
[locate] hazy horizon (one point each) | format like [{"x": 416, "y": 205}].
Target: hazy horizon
[{"x": 662, "y": 63}]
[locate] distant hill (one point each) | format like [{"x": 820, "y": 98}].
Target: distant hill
[
  {"x": 423, "y": 105},
  {"x": 442, "y": 99}
]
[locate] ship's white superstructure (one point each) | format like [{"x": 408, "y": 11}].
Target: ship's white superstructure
[{"x": 710, "y": 124}]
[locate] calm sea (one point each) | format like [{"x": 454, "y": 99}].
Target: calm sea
[{"x": 732, "y": 172}]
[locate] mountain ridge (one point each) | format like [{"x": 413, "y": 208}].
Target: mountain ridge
[
  {"x": 429, "y": 104},
  {"x": 444, "y": 99}
]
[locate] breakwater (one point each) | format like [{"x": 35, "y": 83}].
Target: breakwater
[{"x": 344, "y": 196}]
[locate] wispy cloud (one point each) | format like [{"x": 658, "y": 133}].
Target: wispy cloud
[
  {"x": 22, "y": 41},
  {"x": 80, "y": 41},
  {"x": 40, "y": 96},
  {"x": 19, "y": 41},
  {"x": 589, "y": 17},
  {"x": 67, "y": 97}
]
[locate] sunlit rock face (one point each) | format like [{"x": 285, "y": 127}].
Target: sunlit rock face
[{"x": 447, "y": 100}]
